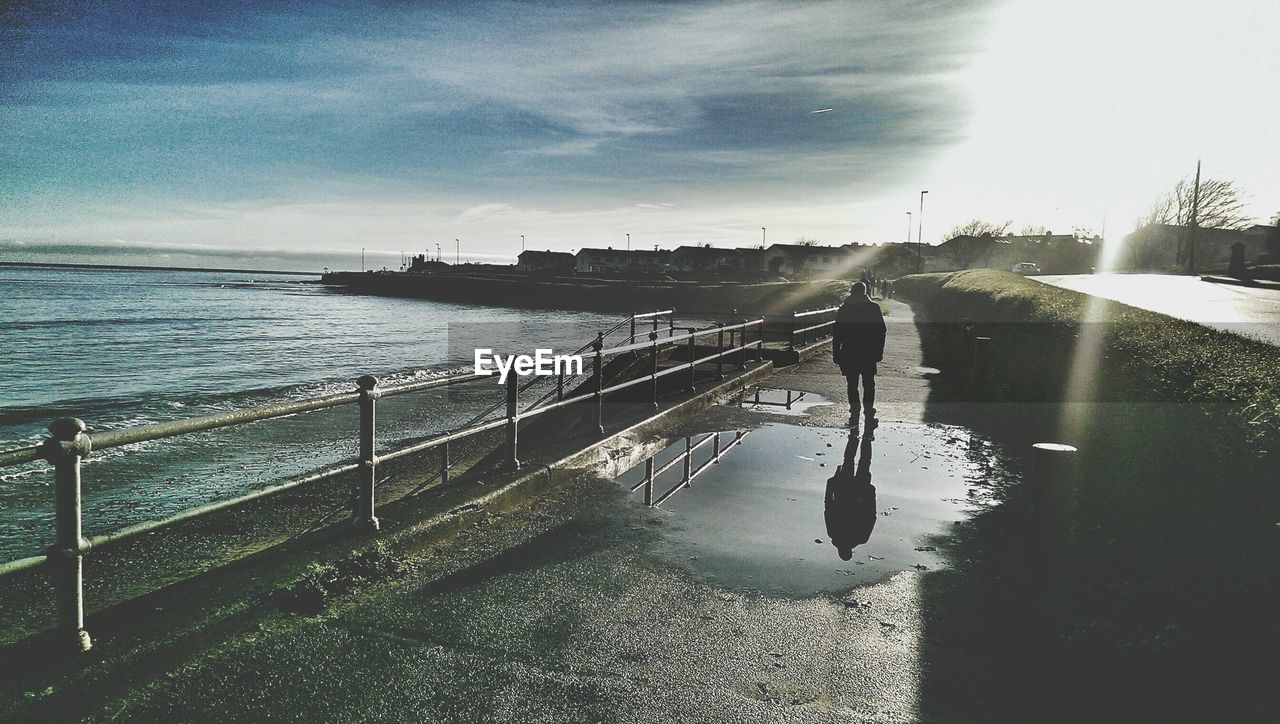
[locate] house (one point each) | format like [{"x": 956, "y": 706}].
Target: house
[
  {"x": 830, "y": 262},
  {"x": 712, "y": 261},
  {"x": 620, "y": 261},
  {"x": 1169, "y": 247},
  {"x": 545, "y": 262}
]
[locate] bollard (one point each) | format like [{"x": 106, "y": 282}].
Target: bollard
[
  {"x": 64, "y": 449},
  {"x": 1051, "y": 493},
  {"x": 980, "y": 362},
  {"x": 365, "y": 505},
  {"x": 715, "y": 448},
  {"x": 513, "y": 420},
  {"x": 648, "y": 482},
  {"x": 653, "y": 369},
  {"x": 598, "y": 373}
]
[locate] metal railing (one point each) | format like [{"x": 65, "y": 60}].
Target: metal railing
[
  {"x": 69, "y": 443},
  {"x": 689, "y": 472},
  {"x": 818, "y": 324}
]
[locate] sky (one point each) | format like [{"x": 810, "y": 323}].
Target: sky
[{"x": 293, "y": 135}]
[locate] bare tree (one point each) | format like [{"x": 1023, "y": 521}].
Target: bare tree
[
  {"x": 802, "y": 241},
  {"x": 1034, "y": 230},
  {"x": 1221, "y": 205},
  {"x": 978, "y": 227}
]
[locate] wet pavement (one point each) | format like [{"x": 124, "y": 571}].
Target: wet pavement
[
  {"x": 768, "y": 515},
  {"x": 1244, "y": 310}
]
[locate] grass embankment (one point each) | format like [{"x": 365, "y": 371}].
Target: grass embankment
[
  {"x": 1165, "y": 578},
  {"x": 1144, "y": 356}
]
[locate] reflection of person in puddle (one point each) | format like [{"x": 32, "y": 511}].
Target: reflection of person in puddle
[{"x": 850, "y": 504}]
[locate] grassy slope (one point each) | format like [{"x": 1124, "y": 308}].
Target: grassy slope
[{"x": 1147, "y": 356}]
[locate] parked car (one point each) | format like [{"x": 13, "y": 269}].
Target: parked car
[{"x": 1026, "y": 267}]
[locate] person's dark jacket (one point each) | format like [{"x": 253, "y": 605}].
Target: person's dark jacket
[{"x": 859, "y": 333}]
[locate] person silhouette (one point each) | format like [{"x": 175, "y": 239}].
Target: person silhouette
[
  {"x": 857, "y": 345},
  {"x": 849, "y": 505}
]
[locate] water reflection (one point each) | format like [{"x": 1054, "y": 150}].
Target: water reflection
[{"x": 849, "y": 506}]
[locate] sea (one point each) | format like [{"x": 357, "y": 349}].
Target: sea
[{"x": 119, "y": 348}]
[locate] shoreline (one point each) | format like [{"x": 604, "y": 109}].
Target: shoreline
[{"x": 135, "y": 267}]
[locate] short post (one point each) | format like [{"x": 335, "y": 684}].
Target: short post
[
  {"x": 513, "y": 420},
  {"x": 688, "y": 459},
  {"x": 632, "y": 337},
  {"x": 444, "y": 462},
  {"x": 693, "y": 361},
  {"x": 715, "y": 448},
  {"x": 598, "y": 373},
  {"x": 742, "y": 344},
  {"x": 720, "y": 352},
  {"x": 648, "y": 482},
  {"x": 365, "y": 504},
  {"x": 655, "y": 323},
  {"x": 64, "y": 449},
  {"x": 1051, "y": 494},
  {"x": 653, "y": 368}
]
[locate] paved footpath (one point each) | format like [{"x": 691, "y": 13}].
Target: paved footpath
[{"x": 563, "y": 611}]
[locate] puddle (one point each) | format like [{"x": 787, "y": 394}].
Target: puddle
[
  {"x": 758, "y": 516},
  {"x": 781, "y": 401},
  {"x": 921, "y": 371}
]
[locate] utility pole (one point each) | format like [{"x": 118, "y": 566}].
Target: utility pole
[
  {"x": 628, "y": 242},
  {"x": 920, "y": 231},
  {"x": 762, "y": 242},
  {"x": 457, "y": 252},
  {"x": 522, "y": 242},
  {"x": 908, "y": 230},
  {"x": 1191, "y": 230},
  {"x": 362, "y": 258}
]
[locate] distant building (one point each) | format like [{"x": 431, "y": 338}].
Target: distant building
[
  {"x": 1055, "y": 253},
  {"x": 800, "y": 260},
  {"x": 1168, "y": 247},
  {"x": 620, "y": 261},
  {"x": 420, "y": 264},
  {"x": 712, "y": 261},
  {"x": 545, "y": 262}
]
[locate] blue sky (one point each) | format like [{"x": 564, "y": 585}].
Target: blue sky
[{"x": 236, "y": 129}]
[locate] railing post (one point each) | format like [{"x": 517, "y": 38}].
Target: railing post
[
  {"x": 560, "y": 385},
  {"x": 653, "y": 369},
  {"x": 742, "y": 344},
  {"x": 64, "y": 449},
  {"x": 648, "y": 482},
  {"x": 720, "y": 352},
  {"x": 598, "y": 373},
  {"x": 693, "y": 361},
  {"x": 513, "y": 420},
  {"x": 715, "y": 448},
  {"x": 688, "y": 459},
  {"x": 444, "y": 462},
  {"x": 632, "y": 338},
  {"x": 791, "y": 334},
  {"x": 365, "y": 504}
]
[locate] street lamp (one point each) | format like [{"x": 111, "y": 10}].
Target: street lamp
[
  {"x": 457, "y": 252},
  {"x": 522, "y": 242},
  {"x": 437, "y": 252},
  {"x": 628, "y": 242},
  {"x": 920, "y": 231},
  {"x": 762, "y": 232},
  {"x": 908, "y": 229}
]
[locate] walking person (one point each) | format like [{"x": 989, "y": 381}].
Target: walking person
[{"x": 857, "y": 345}]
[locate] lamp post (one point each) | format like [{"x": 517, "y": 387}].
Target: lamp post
[
  {"x": 920, "y": 231},
  {"x": 762, "y": 233},
  {"x": 628, "y": 242},
  {"x": 522, "y": 242},
  {"x": 362, "y": 258},
  {"x": 457, "y": 252},
  {"x": 908, "y": 228},
  {"x": 437, "y": 252}
]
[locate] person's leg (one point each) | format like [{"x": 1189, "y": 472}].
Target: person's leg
[
  {"x": 855, "y": 403},
  {"x": 868, "y": 374}
]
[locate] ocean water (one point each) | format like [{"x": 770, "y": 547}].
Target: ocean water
[{"x": 122, "y": 348}]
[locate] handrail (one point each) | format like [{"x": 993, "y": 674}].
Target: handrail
[
  {"x": 69, "y": 444},
  {"x": 811, "y": 312}
]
